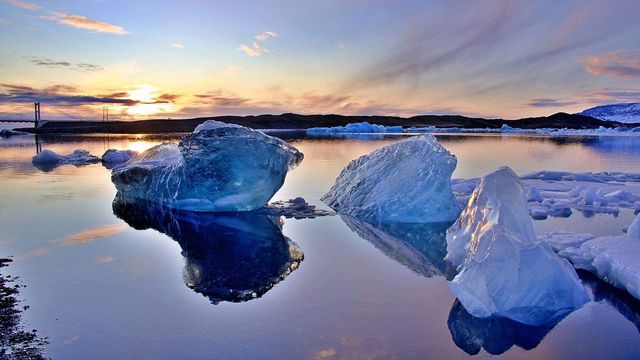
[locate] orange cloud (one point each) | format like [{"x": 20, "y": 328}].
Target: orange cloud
[
  {"x": 617, "y": 63},
  {"x": 83, "y": 22}
]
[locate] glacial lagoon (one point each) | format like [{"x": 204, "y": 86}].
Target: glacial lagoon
[{"x": 111, "y": 280}]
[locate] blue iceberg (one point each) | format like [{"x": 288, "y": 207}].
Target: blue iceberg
[
  {"x": 219, "y": 167},
  {"x": 405, "y": 182}
]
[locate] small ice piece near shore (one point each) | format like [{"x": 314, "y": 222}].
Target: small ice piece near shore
[
  {"x": 114, "y": 156},
  {"x": 613, "y": 259},
  {"x": 219, "y": 167},
  {"x": 407, "y": 182},
  {"x": 503, "y": 270},
  {"x": 355, "y": 128},
  {"x": 47, "y": 160},
  {"x": 6, "y": 133}
]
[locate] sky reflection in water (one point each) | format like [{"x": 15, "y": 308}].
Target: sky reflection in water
[{"x": 105, "y": 286}]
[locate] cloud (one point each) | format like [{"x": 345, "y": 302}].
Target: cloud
[
  {"x": 65, "y": 65},
  {"x": 611, "y": 95},
  {"x": 265, "y": 35},
  {"x": 89, "y": 236},
  {"x": 24, "y": 5},
  {"x": 547, "y": 102},
  {"x": 82, "y": 22},
  {"x": 617, "y": 63},
  {"x": 167, "y": 98},
  {"x": 177, "y": 45},
  {"x": 255, "y": 49},
  {"x": 59, "y": 94}
]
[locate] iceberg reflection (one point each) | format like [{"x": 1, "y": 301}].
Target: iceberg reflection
[
  {"x": 419, "y": 246},
  {"x": 228, "y": 256},
  {"x": 495, "y": 334}
]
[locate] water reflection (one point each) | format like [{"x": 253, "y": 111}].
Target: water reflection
[
  {"x": 228, "y": 256},
  {"x": 622, "y": 301},
  {"x": 421, "y": 247},
  {"x": 495, "y": 334}
]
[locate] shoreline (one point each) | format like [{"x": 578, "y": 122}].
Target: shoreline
[{"x": 296, "y": 122}]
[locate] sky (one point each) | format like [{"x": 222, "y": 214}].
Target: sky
[{"x": 173, "y": 59}]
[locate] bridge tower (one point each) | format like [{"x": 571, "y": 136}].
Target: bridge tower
[{"x": 37, "y": 114}]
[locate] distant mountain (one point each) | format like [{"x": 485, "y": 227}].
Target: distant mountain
[{"x": 624, "y": 113}]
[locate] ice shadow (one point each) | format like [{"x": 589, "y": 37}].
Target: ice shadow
[
  {"x": 495, "y": 335},
  {"x": 421, "y": 247},
  {"x": 232, "y": 257}
]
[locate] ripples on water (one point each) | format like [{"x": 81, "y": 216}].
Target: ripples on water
[{"x": 114, "y": 280}]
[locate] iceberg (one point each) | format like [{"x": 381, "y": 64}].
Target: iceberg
[
  {"x": 613, "y": 259},
  {"x": 232, "y": 257},
  {"x": 502, "y": 269},
  {"x": 47, "y": 160},
  {"x": 354, "y": 128},
  {"x": 219, "y": 167},
  {"x": 114, "y": 156},
  {"x": 407, "y": 182}
]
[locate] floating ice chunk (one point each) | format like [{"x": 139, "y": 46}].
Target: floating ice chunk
[
  {"x": 504, "y": 271},
  {"x": 47, "y": 160},
  {"x": 297, "y": 208},
  {"x": 5, "y": 133},
  {"x": 408, "y": 181},
  {"x": 228, "y": 256},
  {"x": 613, "y": 259},
  {"x": 219, "y": 167},
  {"x": 354, "y": 128},
  {"x": 114, "y": 156},
  {"x": 534, "y": 195}
]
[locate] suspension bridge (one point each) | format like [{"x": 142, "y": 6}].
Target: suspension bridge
[{"x": 32, "y": 114}]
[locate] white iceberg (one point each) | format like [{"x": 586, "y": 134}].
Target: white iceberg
[
  {"x": 503, "y": 270},
  {"x": 355, "y": 128},
  {"x": 219, "y": 167},
  {"x": 47, "y": 160},
  {"x": 557, "y": 193},
  {"x": 114, "y": 156},
  {"x": 408, "y": 182},
  {"x": 613, "y": 259}
]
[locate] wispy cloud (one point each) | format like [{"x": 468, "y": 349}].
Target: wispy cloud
[
  {"x": 33, "y": 253},
  {"x": 177, "y": 45},
  {"x": 265, "y": 35},
  {"x": 24, "y": 5},
  {"x": 548, "y": 102},
  {"x": 85, "y": 23},
  {"x": 105, "y": 259},
  {"x": 65, "y": 65},
  {"x": 255, "y": 49},
  {"x": 618, "y": 63}
]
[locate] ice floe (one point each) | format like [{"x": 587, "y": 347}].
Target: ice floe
[
  {"x": 115, "y": 156},
  {"x": 47, "y": 160},
  {"x": 408, "y": 181},
  {"x": 297, "y": 208},
  {"x": 219, "y": 167},
  {"x": 613, "y": 259},
  {"x": 502, "y": 269},
  {"x": 354, "y": 128},
  {"x": 557, "y": 193}
]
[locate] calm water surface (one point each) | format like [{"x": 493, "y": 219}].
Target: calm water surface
[{"x": 108, "y": 281}]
